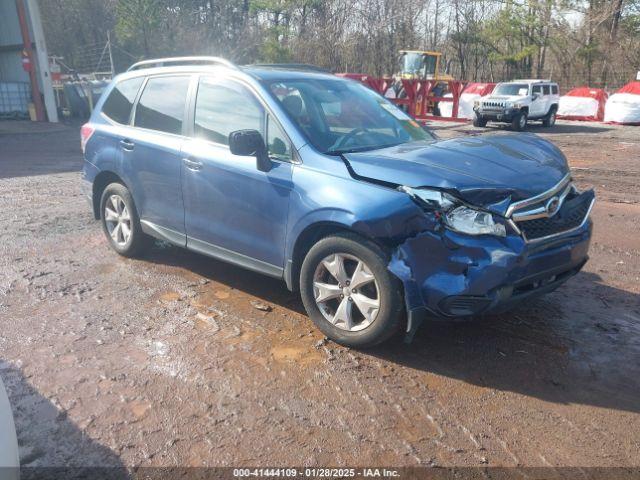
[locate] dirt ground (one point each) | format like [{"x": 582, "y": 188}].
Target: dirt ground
[{"x": 168, "y": 360}]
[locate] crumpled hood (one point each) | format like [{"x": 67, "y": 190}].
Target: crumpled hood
[{"x": 487, "y": 170}]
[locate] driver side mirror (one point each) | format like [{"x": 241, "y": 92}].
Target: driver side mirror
[{"x": 250, "y": 143}]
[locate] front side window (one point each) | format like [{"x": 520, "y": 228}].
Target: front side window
[
  {"x": 223, "y": 107},
  {"x": 537, "y": 89},
  {"x": 161, "y": 106},
  {"x": 339, "y": 116},
  {"x": 118, "y": 105}
]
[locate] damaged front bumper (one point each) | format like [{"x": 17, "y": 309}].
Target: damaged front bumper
[{"x": 448, "y": 275}]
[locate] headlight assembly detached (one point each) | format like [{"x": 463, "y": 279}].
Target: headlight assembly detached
[
  {"x": 473, "y": 222},
  {"x": 431, "y": 199},
  {"x": 456, "y": 216}
]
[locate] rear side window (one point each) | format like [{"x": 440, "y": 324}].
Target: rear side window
[
  {"x": 554, "y": 89},
  {"x": 223, "y": 107},
  {"x": 547, "y": 89},
  {"x": 161, "y": 106},
  {"x": 118, "y": 105}
]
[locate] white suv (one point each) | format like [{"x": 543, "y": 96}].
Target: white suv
[{"x": 517, "y": 101}]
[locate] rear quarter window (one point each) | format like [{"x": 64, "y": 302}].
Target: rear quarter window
[
  {"x": 554, "y": 89},
  {"x": 118, "y": 104}
]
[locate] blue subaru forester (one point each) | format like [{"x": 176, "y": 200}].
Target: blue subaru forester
[{"x": 321, "y": 182}]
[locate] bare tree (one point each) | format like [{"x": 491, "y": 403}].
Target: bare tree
[{"x": 583, "y": 41}]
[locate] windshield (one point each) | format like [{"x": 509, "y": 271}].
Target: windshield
[
  {"x": 519, "y": 89},
  {"x": 340, "y": 116},
  {"x": 414, "y": 63}
]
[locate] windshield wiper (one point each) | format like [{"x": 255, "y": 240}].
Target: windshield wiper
[{"x": 362, "y": 149}]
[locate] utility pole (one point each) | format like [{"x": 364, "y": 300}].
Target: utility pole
[
  {"x": 113, "y": 70},
  {"x": 26, "y": 40}
]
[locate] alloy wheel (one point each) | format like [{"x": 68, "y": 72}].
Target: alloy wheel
[
  {"x": 118, "y": 220},
  {"x": 346, "y": 292},
  {"x": 523, "y": 121}
]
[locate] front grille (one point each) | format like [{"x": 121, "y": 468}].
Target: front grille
[
  {"x": 493, "y": 105},
  {"x": 570, "y": 216}
]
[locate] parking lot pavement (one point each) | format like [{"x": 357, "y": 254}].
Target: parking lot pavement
[{"x": 173, "y": 359}]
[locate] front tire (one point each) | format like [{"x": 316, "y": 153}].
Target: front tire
[
  {"x": 120, "y": 221},
  {"x": 348, "y": 291},
  {"x": 479, "y": 122},
  {"x": 519, "y": 122}
]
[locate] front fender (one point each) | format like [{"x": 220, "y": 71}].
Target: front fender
[
  {"x": 374, "y": 211},
  {"x": 380, "y": 213}
]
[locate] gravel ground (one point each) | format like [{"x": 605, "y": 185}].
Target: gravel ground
[{"x": 177, "y": 359}]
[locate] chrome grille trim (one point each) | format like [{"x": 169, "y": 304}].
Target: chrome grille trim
[
  {"x": 541, "y": 211},
  {"x": 539, "y": 198},
  {"x": 527, "y": 209},
  {"x": 584, "y": 220},
  {"x": 490, "y": 104}
]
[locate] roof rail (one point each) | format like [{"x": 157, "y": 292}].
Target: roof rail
[
  {"x": 291, "y": 66},
  {"x": 530, "y": 80},
  {"x": 160, "y": 62}
]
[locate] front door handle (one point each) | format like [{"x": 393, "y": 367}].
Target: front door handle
[
  {"x": 192, "y": 164},
  {"x": 127, "y": 144}
]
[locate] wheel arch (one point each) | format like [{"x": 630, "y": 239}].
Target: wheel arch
[
  {"x": 308, "y": 237},
  {"x": 100, "y": 182}
]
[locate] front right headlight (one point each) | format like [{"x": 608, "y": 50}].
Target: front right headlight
[
  {"x": 455, "y": 214},
  {"x": 468, "y": 220}
]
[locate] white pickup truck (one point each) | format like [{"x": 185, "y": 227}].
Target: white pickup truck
[{"x": 518, "y": 101}]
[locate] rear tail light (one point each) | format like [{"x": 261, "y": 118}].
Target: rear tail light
[{"x": 85, "y": 134}]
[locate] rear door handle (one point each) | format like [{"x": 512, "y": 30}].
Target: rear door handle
[
  {"x": 127, "y": 144},
  {"x": 192, "y": 164}
]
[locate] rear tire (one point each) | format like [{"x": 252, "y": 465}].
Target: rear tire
[
  {"x": 550, "y": 119},
  {"x": 479, "y": 122},
  {"x": 519, "y": 122},
  {"x": 326, "y": 299},
  {"x": 120, "y": 221}
]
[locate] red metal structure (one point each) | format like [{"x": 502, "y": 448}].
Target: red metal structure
[
  {"x": 420, "y": 96},
  {"x": 28, "y": 52}
]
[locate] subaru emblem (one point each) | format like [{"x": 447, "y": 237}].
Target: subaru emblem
[{"x": 553, "y": 206}]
